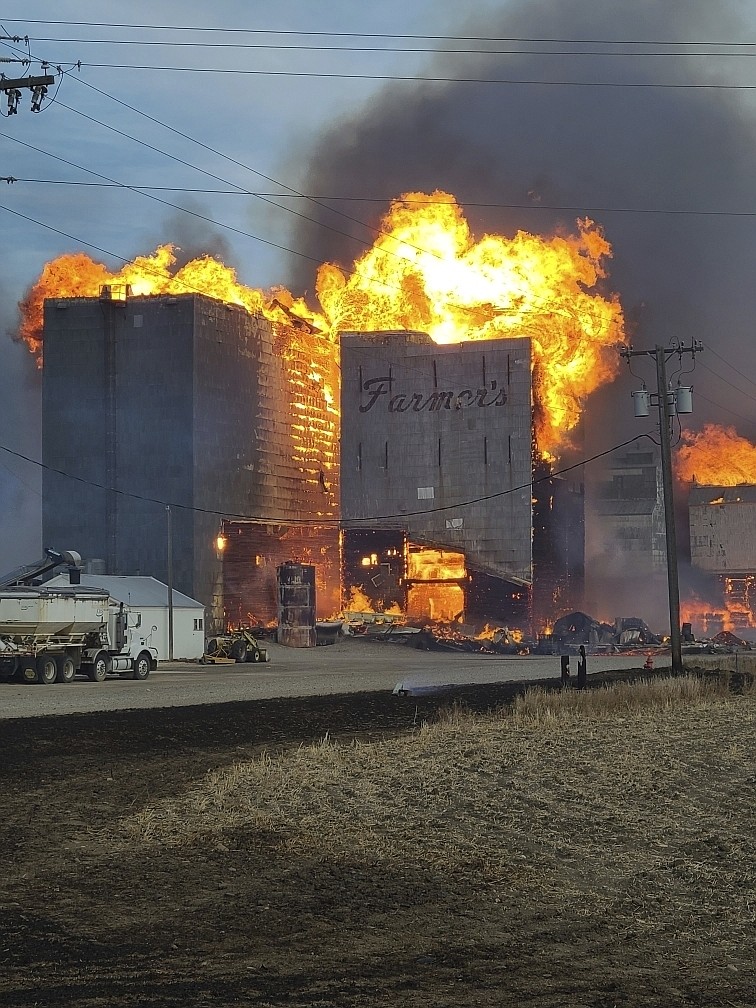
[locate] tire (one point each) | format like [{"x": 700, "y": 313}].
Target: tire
[
  {"x": 142, "y": 666},
  {"x": 99, "y": 668},
  {"x": 254, "y": 655},
  {"x": 27, "y": 672},
  {"x": 239, "y": 651},
  {"x": 66, "y": 669},
  {"x": 47, "y": 669}
]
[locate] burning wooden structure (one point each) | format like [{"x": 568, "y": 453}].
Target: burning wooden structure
[
  {"x": 207, "y": 408},
  {"x": 723, "y": 543},
  {"x": 440, "y": 512}
]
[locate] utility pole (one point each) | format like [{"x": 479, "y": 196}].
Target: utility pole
[
  {"x": 670, "y": 402},
  {"x": 170, "y": 581}
]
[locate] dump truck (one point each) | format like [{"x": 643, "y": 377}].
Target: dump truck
[{"x": 49, "y": 635}]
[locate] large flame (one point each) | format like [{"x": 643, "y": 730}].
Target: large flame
[
  {"x": 77, "y": 275},
  {"x": 424, "y": 272},
  {"x": 715, "y": 456},
  {"x": 434, "y": 590}
]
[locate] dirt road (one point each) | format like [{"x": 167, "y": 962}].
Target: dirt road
[{"x": 351, "y": 666}]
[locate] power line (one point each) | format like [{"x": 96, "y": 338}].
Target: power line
[
  {"x": 726, "y": 409},
  {"x": 748, "y": 395},
  {"x": 729, "y": 364},
  {"x": 301, "y": 47},
  {"x": 372, "y": 229},
  {"x": 187, "y": 164},
  {"x": 123, "y": 259},
  {"x": 372, "y": 280},
  {"x": 321, "y": 521},
  {"x": 267, "y": 178},
  {"x": 465, "y": 204},
  {"x": 380, "y": 35},
  {"x": 226, "y": 157},
  {"x": 417, "y": 79}
]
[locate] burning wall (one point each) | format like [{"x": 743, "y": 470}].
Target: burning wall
[
  {"x": 723, "y": 544},
  {"x": 723, "y": 528},
  {"x": 437, "y": 446},
  {"x": 184, "y": 400},
  {"x": 425, "y": 271}
]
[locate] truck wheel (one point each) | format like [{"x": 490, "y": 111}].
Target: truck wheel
[
  {"x": 254, "y": 655},
  {"x": 47, "y": 669},
  {"x": 66, "y": 670},
  {"x": 28, "y": 672},
  {"x": 99, "y": 667},
  {"x": 142, "y": 665}
]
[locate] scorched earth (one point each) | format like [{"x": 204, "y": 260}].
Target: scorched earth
[{"x": 365, "y": 850}]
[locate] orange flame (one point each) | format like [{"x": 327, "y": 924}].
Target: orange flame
[
  {"x": 716, "y": 456},
  {"x": 77, "y": 275},
  {"x": 425, "y": 272},
  {"x": 435, "y": 599}
]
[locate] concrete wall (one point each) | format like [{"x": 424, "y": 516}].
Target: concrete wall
[
  {"x": 429, "y": 428},
  {"x": 723, "y": 529},
  {"x": 182, "y": 400}
]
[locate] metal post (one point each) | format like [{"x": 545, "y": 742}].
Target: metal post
[
  {"x": 673, "y": 586},
  {"x": 170, "y": 582}
]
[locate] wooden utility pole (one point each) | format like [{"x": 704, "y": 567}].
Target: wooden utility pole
[{"x": 670, "y": 402}]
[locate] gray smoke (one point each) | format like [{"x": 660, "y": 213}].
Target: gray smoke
[
  {"x": 605, "y": 151},
  {"x": 667, "y": 171},
  {"x": 194, "y": 235}
]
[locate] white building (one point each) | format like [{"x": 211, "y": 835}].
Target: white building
[{"x": 148, "y": 596}]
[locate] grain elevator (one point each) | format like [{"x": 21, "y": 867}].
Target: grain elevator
[
  {"x": 444, "y": 509},
  {"x": 191, "y": 440}
]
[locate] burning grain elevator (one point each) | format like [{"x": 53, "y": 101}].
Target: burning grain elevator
[
  {"x": 198, "y": 444},
  {"x": 445, "y": 512}
]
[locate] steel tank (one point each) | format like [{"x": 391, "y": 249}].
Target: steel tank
[{"x": 295, "y": 592}]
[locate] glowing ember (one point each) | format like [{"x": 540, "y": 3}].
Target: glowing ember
[
  {"x": 434, "y": 598},
  {"x": 716, "y": 456},
  {"x": 425, "y": 272},
  {"x": 435, "y": 565}
]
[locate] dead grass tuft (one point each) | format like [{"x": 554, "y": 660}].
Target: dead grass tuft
[{"x": 538, "y": 705}]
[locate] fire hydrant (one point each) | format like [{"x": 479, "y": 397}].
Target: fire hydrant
[{"x": 649, "y": 663}]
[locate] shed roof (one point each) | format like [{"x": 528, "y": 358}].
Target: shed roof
[{"x": 134, "y": 590}]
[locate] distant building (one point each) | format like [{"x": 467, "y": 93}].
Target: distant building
[
  {"x": 189, "y": 402},
  {"x": 627, "y": 512},
  {"x": 723, "y": 543},
  {"x": 437, "y": 493}
]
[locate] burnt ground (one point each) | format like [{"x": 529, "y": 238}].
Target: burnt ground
[{"x": 87, "y": 923}]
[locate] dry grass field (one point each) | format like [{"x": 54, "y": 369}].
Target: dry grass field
[{"x": 573, "y": 849}]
